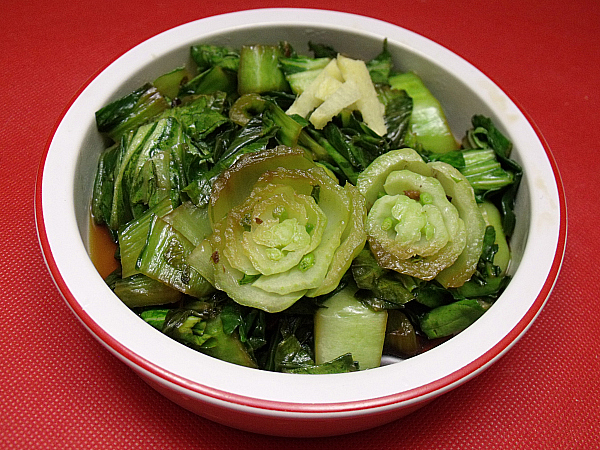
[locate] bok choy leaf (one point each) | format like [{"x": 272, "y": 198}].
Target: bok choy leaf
[{"x": 130, "y": 111}]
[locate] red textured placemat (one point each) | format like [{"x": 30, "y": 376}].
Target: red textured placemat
[{"x": 60, "y": 389}]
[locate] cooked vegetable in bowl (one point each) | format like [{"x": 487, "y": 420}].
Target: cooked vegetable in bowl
[
  {"x": 370, "y": 247},
  {"x": 271, "y": 208}
]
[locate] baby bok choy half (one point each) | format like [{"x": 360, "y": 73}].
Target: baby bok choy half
[{"x": 302, "y": 214}]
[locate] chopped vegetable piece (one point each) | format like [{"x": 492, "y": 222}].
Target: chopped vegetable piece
[
  {"x": 451, "y": 319},
  {"x": 341, "y": 364},
  {"x": 422, "y": 239},
  {"x": 295, "y": 253},
  {"x": 139, "y": 290},
  {"x": 170, "y": 83},
  {"x": 426, "y": 266},
  {"x": 206, "y": 56},
  {"x": 164, "y": 259},
  {"x": 130, "y": 111},
  {"x": 215, "y": 79},
  {"x": 492, "y": 217},
  {"x": 428, "y": 125},
  {"x": 400, "y": 336},
  {"x": 259, "y": 70},
  {"x": 344, "y": 325}
]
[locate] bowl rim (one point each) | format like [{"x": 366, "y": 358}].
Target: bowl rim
[{"x": 425, "y": 391}]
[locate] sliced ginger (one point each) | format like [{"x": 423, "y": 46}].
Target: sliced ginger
[{"x": 344, "y": 83}]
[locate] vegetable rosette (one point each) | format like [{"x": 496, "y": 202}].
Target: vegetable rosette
[
  {"x": 283, "y": 228},
  {"x": 423, "y": 219}
]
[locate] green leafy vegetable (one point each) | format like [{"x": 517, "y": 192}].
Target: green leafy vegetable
[
  {"x": 130, "y": 111},
  {"x": 170, "y": 83},
  {"x": 138, "y": 290},
  {"x": 400, "y": 335},
  {"x": 484, "y": 134},
  {"x": 345, "y": 325},
  {"x": 259, "y": 70},
  {"x": 451, "y": 319},
  {"x": 207, "y": 56},
  {"x": 215, "y": 79},
  {"x": 241, "y": 194},
  {"x": 428, "y": 126},
  {"x": 341, "y": 364},
  {"x": 381, "y": 66},
  {"x": 380, "y": 288},
  {"x": 163, "y": 258},
  {"x": 321, "y": 50},
  {"x": 398, "y": 110}
]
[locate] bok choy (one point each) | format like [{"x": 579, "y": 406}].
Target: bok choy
[{"x": 302, "y": 214}]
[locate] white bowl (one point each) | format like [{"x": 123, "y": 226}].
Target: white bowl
[{"x": 277, "y": 403}]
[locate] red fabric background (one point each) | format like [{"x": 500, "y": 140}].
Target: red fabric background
[{"x": 59, "y": 389}]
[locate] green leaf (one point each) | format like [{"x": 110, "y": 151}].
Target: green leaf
[
  {"x": 291, "y": 342},
  {"x": 253, "y": 331},
  {"x": 322, "y": 50},
  {"x": 454, "y": 158},
  {"x": 451, "y": 319},
  {"x": 398, "y": 109},
  {"x": 231, "y": 317},
  {"x": 163, "y": 258},
  {"x": 380, "y": 288},
  {"x": 255, "y": 136},
  {"x": 249, "y": 322},
  {"x": 130, "y": 111},
  {"x": 381, "y": 66},
  {"x": 341, "y": 364},
  {"x": 484, "y": 134},
  {"x": 139, "y": 291},
  {"x": 203, "y": 115},
  {"x": 291, "y": 354},
  {"x": 155, "y": 317},
  {"x": 259, "y": 70},
  {"x": 206, "y": 56},
  {"x": 346, "y": 169},
  {"x": 299, "y": 64},
  {"x": 104, "y": 182},
  {"x": 188, "y": 327},
  {"x": 488, "y": 136},
  {"x": 211, "y": 81}
]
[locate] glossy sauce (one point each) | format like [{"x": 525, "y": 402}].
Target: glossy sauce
[{"x": 102, "y": 249}]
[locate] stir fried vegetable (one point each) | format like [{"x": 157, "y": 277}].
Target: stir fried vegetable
[{"x": 302, "y": 214}]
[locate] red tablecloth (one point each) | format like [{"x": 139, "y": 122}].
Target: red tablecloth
[{"x": 59, "y": 388}]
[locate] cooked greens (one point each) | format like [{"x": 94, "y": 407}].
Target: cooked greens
[{"x": 302, "y": 214}]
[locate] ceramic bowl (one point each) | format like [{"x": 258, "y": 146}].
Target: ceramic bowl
[{"x": 277, "y": 403}]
